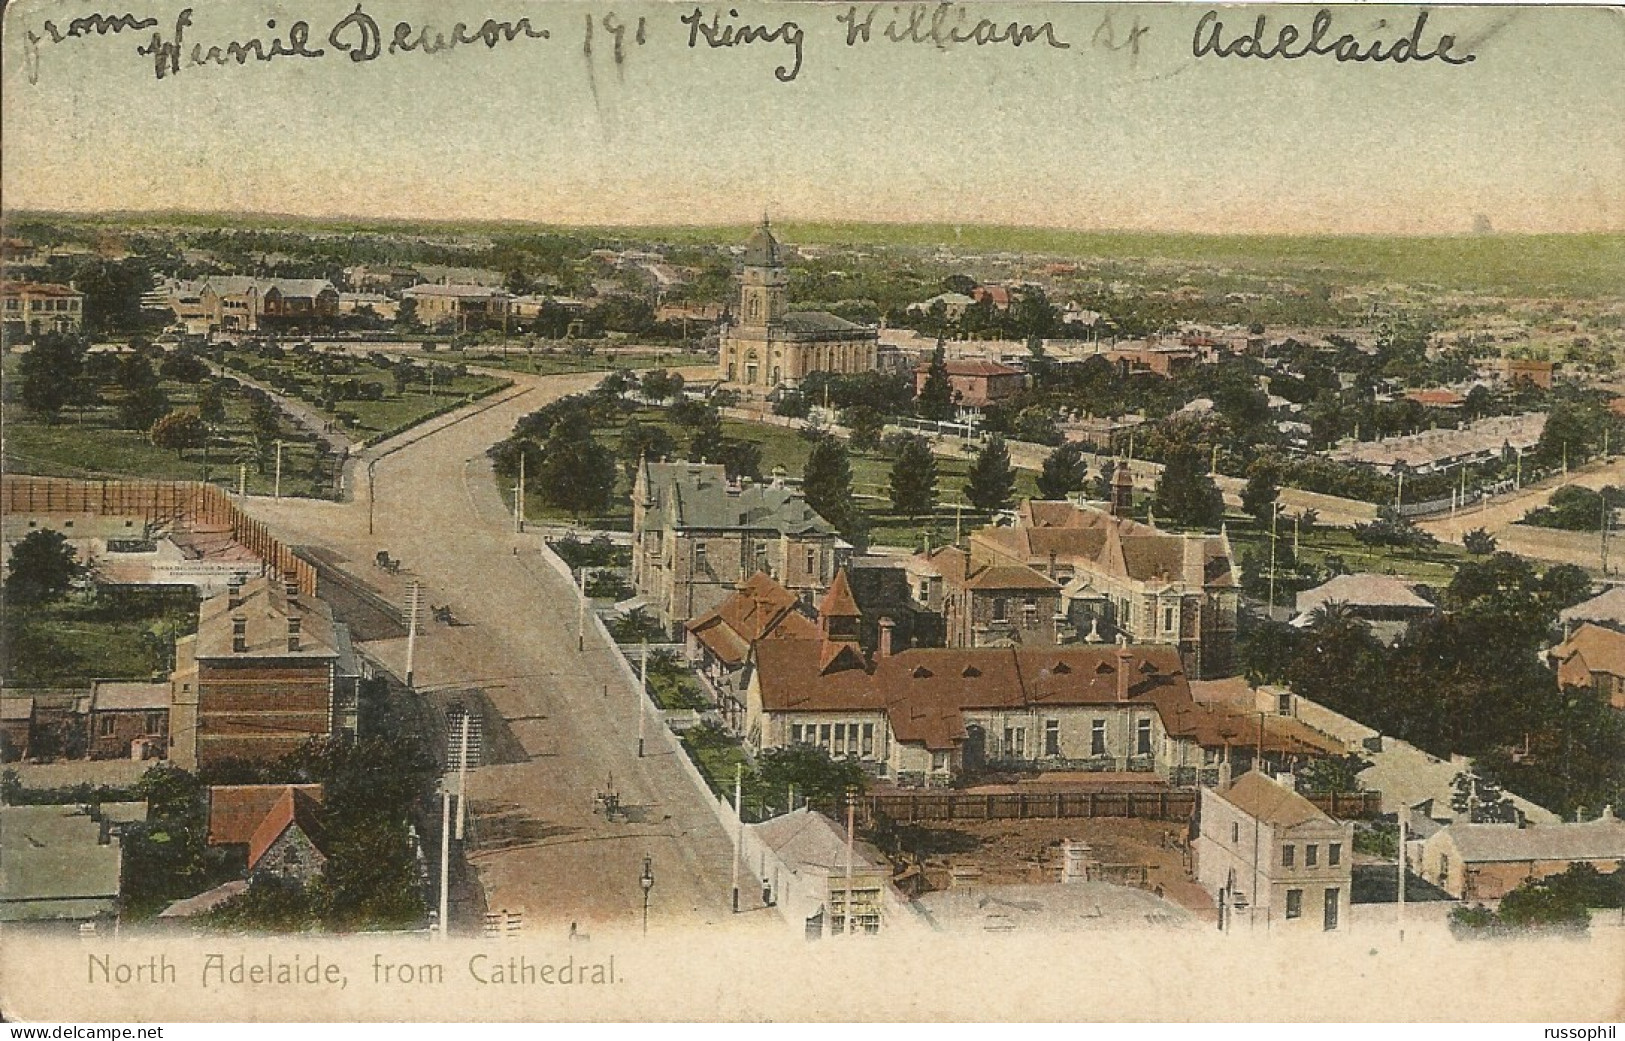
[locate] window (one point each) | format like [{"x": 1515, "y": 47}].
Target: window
[
  {"x": 1142, "y": 739},
  {"x": 1168, "y": 619},
  {"x": 106, "y": 726},
  {"x": 795, "y": 733},
  {"x": 1294, "y": 903},
  {"x": 812, "y": 561},
  {"x": 1333, "y": 895},
  {"x": 1097, "y": 737},
  {"x": 1000, "y": 609},
  {"x": 840, "y": 739},
  {"x": 1052, "y": 737},
  {"x": 939, "y": 761},
  {"x": 868, "y": 739},
  {"x": 1021, "y": 742},
  {"x": 155, "y": 722},
  {"x": 1334, "y": 854},
  {"x": 1311, "y": 855},
  {"x": 823, "y": 735},
  {"x": 1235, "y": 832},
  {"x": 1289, "y": 856},
  {"x": 1284, "y": 705},
  {"x": 699, "y": 554}
]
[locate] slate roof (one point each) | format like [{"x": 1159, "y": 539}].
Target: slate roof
[
  {"x": 762, "y": 249},
  {"x": 1359, "y": 590},
  {"x": 1607, "y": 606},
  {"x": 53, "y": 865},
  {"x": 821, "y": 323},
  {"x": 697, "y": 496},
  {"x": 266, "y": 608},
  {"x": 1601, "y": 839},
  {"x": 1088, "y": 539},
  {"x": 457, "y": 291},
  {"x": 120, "y": 696},
  {"x": 238, "y": 285},
  {"x": 805, "y": 839},
  {"x": 1271, "y": 803}
]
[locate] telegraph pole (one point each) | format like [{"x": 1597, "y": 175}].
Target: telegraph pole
[
  {"x": 242, "y": 480},
  {"x": 851, "y": 816},
  {"x": 739, "y": 827},
  {"x": 643, "y": 692},
  {"x": 412, "y": 594},
  {"x": 277, "y": 492},
  {"x": 519, "y": 497},
  {"x": 462, "y": 778},
  {"x": 1401, "y": 906},
  {"x": 581, "y": 611},
  {"x": 445, "y": 859},
  {"x": 1275, "y": 513}
]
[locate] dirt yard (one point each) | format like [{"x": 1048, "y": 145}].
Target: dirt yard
[{"x": 1129, "y": 851}]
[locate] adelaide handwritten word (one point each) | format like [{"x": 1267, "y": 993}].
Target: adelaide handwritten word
[
  {"x": 718, "y": 33},
  {"x": 941, "y": 25},
  {"x": 1209, "y": 39}
]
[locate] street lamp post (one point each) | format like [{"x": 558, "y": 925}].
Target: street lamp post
[{"x": 647, "y": 881}]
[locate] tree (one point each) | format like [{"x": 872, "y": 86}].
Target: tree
[
  {"x": 740, "y": 459},
  {"x": 42, "y": 568},
  {"x": 576, "y": 473},
  {"x": 1268, "y": 652},
  {"x": 991, "y": 480},
  {"x": 792, "y": 405},
  {"x": 914, "y": 478},
  {"x": 936, "y": 397},
  {"x": 184, "y": 367},
  {"x": 179, "y": 430},
  {"x": 659, "y": 385},
  {"x": 1263, "y": 488},
  {"x": 826, "y": 483},
  {"x": 1186, "y": 494},
  {"x": 642, "y": 441},
  {"x": 113, "y": 291},
  {"x": 1479, "y": 542},
  {"x": 49, "y": 374},
  {"x": 809, "y": 769},
  {"x": 1063, "y": 473},
  {"x": 864, "y": 425},
  {"x": 144, "y": 401},
  {"x": 211, "y": 403},
  {"x": 406, "y": 313}
]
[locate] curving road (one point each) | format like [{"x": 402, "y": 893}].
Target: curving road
[{"x": 570, "y": 714}]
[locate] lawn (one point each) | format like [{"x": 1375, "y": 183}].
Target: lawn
[
  {"x": 781, "y": 447},
  {"x": 89, "y": 443},
  {"x": 317, "y": 378},
  {"x": 1436, "y": 565},
  {"x": 548, "y": 362},
  {"x": 125, "y": 634}
]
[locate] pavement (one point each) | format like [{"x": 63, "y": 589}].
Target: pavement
[{"x": 539, "y": 848}]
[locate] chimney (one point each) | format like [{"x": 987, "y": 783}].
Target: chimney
[
  {"x": 1125, "y": 663},
  {"x": 105, "y": 832},
  {"x": 295, "y": 627},
  {"x": 290, "y": 584},
  {"x": 886, "y": 627},
  {"x": 1122, "y": 491},
  {"x": 1051, "y": 572},
  {"x": 239, "y": 635},
  {"x": 234, "y": 592}
]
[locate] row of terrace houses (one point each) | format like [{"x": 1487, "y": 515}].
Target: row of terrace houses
[
  {"x": 33, "y": 308},
  {"x": 930, "y": 715}
]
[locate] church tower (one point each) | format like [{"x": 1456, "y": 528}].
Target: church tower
[{"x": 763, "y": 281}]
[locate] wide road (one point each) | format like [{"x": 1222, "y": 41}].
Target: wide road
[{"x": 570, "y": 715}]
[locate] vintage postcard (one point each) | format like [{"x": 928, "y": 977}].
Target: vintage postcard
[{"x": 626, "y": 511}]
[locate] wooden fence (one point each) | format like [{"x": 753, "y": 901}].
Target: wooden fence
[
  {"x": 1151, "y": 804},
  {"x": 157, "y": 503}
]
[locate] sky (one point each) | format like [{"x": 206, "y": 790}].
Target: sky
[{"x": 1089, "y": 136}]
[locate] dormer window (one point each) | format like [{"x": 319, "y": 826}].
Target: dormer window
[
  {"x": 921, "y": 672},
  {"x": 971, "y": 672}
]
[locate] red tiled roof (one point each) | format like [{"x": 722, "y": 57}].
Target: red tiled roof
[
  {"x": 293, "y": 807},
  {"x": 838, "y": 601},
  {"x": 237, "y": 810},
  {"x": 760, "y": 609}
]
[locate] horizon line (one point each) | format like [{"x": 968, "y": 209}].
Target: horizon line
[{"x": 8, "y": 214}]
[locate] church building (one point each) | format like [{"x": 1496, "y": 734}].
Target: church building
[{"x": 769, "y": 346}]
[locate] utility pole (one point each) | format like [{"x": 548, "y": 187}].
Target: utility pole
[
  {"x": 1275, "y": 513},
  {"x": 462, "y": 778},
  {"x": 1401, "y": 906},
  {"x": 242, "y": 480},
  {"x": 581, "y": 611},
  {"x": 412, "y": 593},
  {"x": 1399, "y": 495},
  {"x": 519, "y": 497},
  {"x": 643, "y": 692},
  {"x": 739, "y": 826},
  {"x": 277, "y": 492},
  {"x": 851, "y": 814},
  {"x": 372, "y": 466},
  {"x": 445, "y": 859}
]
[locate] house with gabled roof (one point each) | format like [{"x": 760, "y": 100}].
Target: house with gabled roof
[
  {"x": 275, "y": 828},
  {"x": 1487, "y": 861},
  {"x": 1592, "y": 656},
  {"x": 696, "y": 537},
  {"x": 245, "y": 303},
  {"x": 1271, "y": 858},
  {"x": 989, "y": 604},
  {"x": 1122, "y": 579}
]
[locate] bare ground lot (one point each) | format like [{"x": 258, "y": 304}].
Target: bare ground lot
[{"x": 1131, "y": 851}]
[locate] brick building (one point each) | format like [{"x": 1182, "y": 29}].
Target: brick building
[
  {"x": 696, "y": 538},
  {"x": 267, "y": 669},
  {"x": 29, "y": 309},
  {"x": 988, "y": 604},
  {"x": 1487, "y": 861},
  {"x": 129, "y": 720}
]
